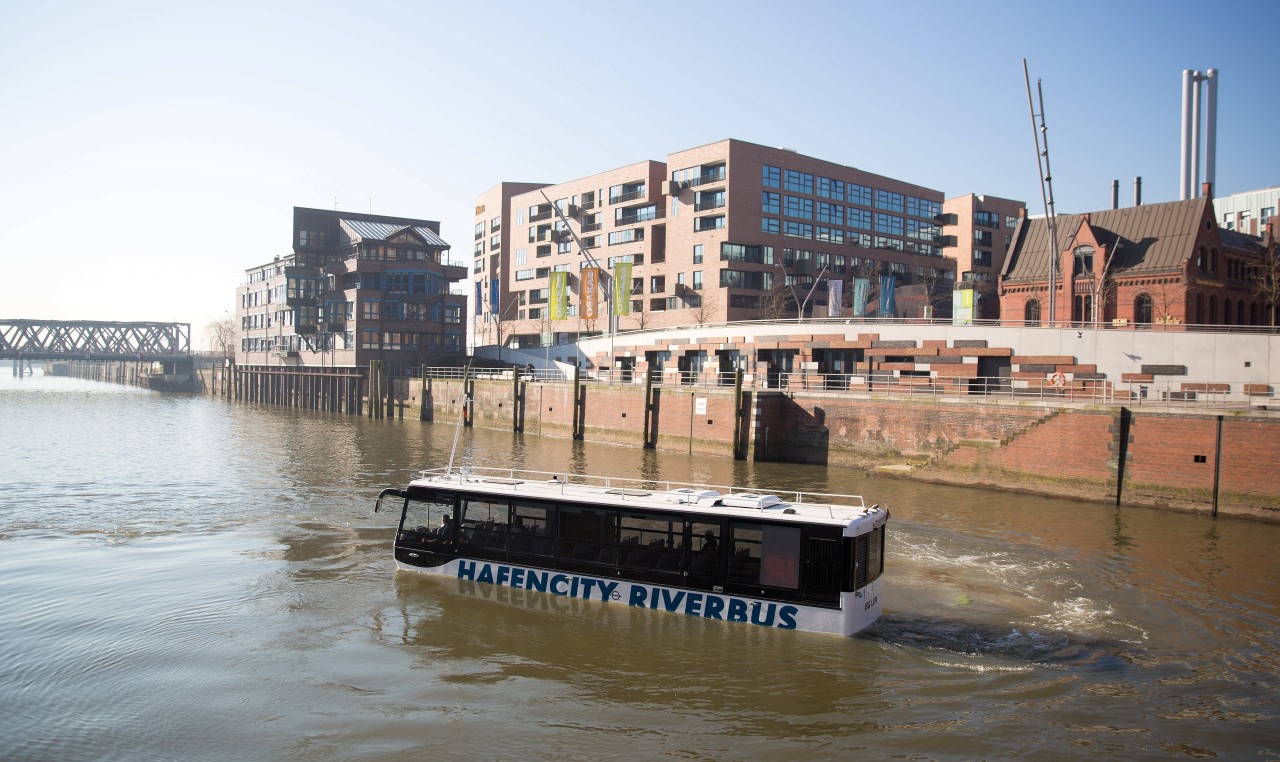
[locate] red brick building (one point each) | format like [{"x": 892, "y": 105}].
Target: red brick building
[{"x": 1167, "y": 264}]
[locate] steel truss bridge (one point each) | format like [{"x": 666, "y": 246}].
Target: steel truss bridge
[{"x": 93, "y": 340}]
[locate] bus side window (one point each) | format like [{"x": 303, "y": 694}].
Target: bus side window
[
  {"x": 425, "y": 517},
  {"x": 704, "y": 552}
]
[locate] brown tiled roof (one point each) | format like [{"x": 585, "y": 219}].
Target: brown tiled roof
[{"x": 1155, "y": 237}]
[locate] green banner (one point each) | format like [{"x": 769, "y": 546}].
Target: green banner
[
  {"x": 622, "y": 288},
  {"x": 559, "y": 295}
]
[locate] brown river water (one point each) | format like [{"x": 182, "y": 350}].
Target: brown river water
[{"x": 183, "y": 578}]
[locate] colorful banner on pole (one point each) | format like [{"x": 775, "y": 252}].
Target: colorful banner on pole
[
  {"x": 479, "y": 297},
  {"x": 835, "y": 295},
  {"x": 559, "y": 295},
  {"x": 495, "y": 292},
  {"x": 622, "y": 288},
  {"x": 588, "y": 293},
  {"x": 962, "y": 306},
  {"x": 888, "y": 305},
  {"x": 860, "y": 287}
]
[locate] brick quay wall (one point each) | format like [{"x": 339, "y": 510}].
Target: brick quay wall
[{"x": 1169, "y": 457}]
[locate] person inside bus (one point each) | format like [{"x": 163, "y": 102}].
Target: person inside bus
[
  {"x": 709, "y": 545},
  {"x": 447, "y": 530},
  {"x": 707, "y": 562}
]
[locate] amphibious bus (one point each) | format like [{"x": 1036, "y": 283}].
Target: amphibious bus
[{"x": 788, "y": 560}]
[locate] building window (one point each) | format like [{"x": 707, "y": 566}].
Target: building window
[
  {"x": 1267, "y": 213},
  {"x": 832, "y": 214},
  {"x": 626, "y": 236},
  {"x": 798, "y": 182},
  {"x": 658, "y": 284},
  {"x": 632, "y": 216},
  {"x": 1031, "y": 313},
  {"x": 890, "y": 201},
  {"x": 772, "y": 177},
  {"x": 697, "y": 280},
  {"x": 888, "y": 223},
  {"x": 797, "y": 229},
  {"x": 770, "y": 203},
  {"x": 833, "y": 189},
  {"x": 1143, "y": 309},
  {"x": 986, "y": 219},
  {"x": 858, "y": 194},
  {"x": 770, "y": 225},
  {"x": 1010, "y": 222},
  {"x": 706, "y": 200},
  {"x": 799, "y": 207},
  {"x": 921, "y": 207},
  {"x": 714, "y": 222},
  {"x": 859, "y": 218},
  {"x": 922, "y": 231},
  {"x": 697, "y": 253},
  {"x": 626, "y": 192},
  {"x": 981, "y": 258},
  {"x": 1083, "y": 257}
]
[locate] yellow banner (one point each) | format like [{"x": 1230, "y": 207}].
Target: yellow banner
[
  {"x": 559, "y": 295},
  {"x": 622, "y": 288},
  {"x": 587, "y": 296}
]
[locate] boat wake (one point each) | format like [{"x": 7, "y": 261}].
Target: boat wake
[{"x": 1024, "y": 645}]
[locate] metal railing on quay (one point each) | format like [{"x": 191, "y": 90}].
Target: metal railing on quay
[{"x": 1176, "y": 394}]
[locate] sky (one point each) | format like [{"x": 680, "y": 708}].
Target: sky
[{"x": 151, "y": 152}]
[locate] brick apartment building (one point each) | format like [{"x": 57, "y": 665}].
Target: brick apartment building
[
  {"x": 977, "y": 231},
  {"x": 357, "y": 287},
  {"x": 726, "y": 231}
]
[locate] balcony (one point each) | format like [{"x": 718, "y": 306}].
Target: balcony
[
  {"x": 632, "y": 219},
  {"x": 709, "y": 205},
  {"x": 540, "y": 216},
  {"x": 591, "y": 228},
  {"x": 708, "y": 178},
  {"x": 622, "y": 198}
]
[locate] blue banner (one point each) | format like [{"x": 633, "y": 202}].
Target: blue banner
[
  {"x": 888, "y": 305},
  {"x": 860, "y": 286},
  {"x": 494, "y": 292},
  {"x": 479, "y": 297}
]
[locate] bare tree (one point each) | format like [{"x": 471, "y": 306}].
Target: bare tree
[
  {"x": 774, "y": 304},
  {"x": 703, "y": 306},
  {"x": 1266, "y": 279},
  {"x": 222, "y": 335},
  {"x": 1169, "y": 293},
  {"x": 935, "y": 292},
  {"x": 641, "y": 315}
]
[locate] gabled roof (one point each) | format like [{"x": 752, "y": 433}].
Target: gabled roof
[
  {"x": 1234, "y": 240},
  {"x": 361, "y": 230},
  {"x": 1152, "y": 238}
]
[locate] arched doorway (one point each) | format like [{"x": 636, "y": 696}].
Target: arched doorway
[{"x": 1031, "y": 313}]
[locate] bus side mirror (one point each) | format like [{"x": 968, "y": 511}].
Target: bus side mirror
[{"x": 377, "y": 506}]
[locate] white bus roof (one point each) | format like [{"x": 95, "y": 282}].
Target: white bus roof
[{"x": 638, "y": 494}]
